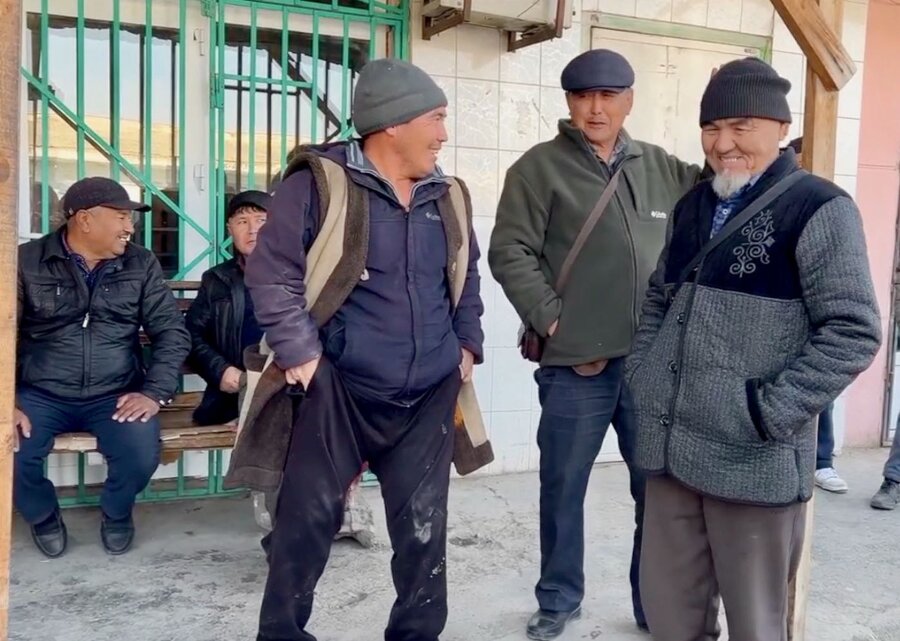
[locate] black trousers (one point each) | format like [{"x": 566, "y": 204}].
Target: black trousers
[{"x": 409, "y": 449}]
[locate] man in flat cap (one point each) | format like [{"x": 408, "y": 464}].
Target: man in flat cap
[
  {"x": 365, "y": 282},
  {"x": 760, "y": 313},
  {"x": 580, "y": 225},
  {"x": 84, "y": 293}
]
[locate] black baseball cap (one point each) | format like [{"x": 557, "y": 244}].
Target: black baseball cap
[
  {"x": 98, "y": 192},
  {"x": 249, "y": 198}
]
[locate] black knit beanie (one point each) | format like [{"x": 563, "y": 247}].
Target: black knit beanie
[
  {"x": 392, "y": 92},
  {"x": 748, "y": 88}
]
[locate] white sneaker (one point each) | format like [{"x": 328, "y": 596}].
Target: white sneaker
[{"x": 828, "y": 479}]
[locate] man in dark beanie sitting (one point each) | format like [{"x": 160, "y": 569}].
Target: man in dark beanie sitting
[
  {"x": 760, "y": 313},
  {"x": 381, "y": 347}
]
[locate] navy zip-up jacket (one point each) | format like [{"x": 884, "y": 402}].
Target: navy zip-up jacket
[{"x": 396, "y": 335}]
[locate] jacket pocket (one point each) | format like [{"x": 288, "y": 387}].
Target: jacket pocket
[
  {"x": 752, "y": 389},
  {"x": 121, "y": 299},
  {"x": 335, "y": 343},
  {"x": 715, "y": 403},
  {"x": 46, "y": 297}
]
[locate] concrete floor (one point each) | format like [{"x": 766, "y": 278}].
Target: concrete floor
[{"x": 197, "y": 571}]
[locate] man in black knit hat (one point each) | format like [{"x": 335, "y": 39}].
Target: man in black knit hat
[{"x": 760, "y": 313}]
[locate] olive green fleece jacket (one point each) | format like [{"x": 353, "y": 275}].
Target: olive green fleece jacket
[{"x": 547, "y": 196}]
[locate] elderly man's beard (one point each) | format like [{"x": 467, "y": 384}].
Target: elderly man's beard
[{"x": 728, "y": 183}]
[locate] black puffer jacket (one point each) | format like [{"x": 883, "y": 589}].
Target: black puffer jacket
[
  {"x": 215, "y": 321},
  {"x": 78, "y": 344}
]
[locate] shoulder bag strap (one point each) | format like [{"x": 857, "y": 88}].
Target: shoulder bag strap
[
  {"x": 763, "y": 201},
  {"x": 586, "y": 230}
]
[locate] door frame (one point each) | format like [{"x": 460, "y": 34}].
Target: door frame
[{"x": 667, "y": 29}]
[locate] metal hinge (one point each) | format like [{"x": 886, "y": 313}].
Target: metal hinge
[
  {"x": 216, "y": 99},
  {"x": 208, "y": 8}
]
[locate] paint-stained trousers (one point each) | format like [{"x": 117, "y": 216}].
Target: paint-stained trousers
[
  {"x": 409, "y": 449},
  {"x": 697, "y": 549}
]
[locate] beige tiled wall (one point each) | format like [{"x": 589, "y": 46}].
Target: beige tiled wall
[{"x": 503, "y": 103}]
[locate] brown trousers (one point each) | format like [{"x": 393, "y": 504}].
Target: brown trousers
[{"x": 697, "y": 549}]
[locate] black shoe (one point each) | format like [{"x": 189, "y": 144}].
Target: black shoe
[
  {"x": 545, "y": 624},
  {"x": 643, "y": 627},
  {"x": 50, "y": 536},
  {"x": 117, "y": 535}
]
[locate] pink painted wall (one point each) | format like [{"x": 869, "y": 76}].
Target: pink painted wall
[{"x": 877, "y": 188}]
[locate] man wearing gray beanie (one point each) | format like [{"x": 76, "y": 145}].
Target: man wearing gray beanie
[
  {"x": 378, "y": 343},
  {"x": 760, "y": 313}
]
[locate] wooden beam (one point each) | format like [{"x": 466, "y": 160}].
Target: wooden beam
[
  {"x": 10, "y": 45},
  {"x": 819, "y": 39},
  {"x": 819, "y": 148},
  {"x": 820, "y": 110}
]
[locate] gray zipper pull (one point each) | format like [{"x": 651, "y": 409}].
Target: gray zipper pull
[{"x": 87, "y": 319}]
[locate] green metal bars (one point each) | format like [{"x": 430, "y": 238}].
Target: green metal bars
[
  {"x": 110, "y": 140},
  {"x": 282, "y": 75}
]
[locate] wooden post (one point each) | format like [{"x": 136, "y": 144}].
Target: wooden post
[
  {"x": 819, "y": 146},
  {"x": 10, "y": 44}
]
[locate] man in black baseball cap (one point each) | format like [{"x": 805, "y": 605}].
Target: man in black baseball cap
[
  {"x": 97, "y": 191},
  {"x": 84, "y": 293},
  {"x": 99, "y": 218}
]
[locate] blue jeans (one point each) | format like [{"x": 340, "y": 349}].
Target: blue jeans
[
  {"x": 576, "y": 414},
  {"x": 825, "y": 439},
  {"x": 892, "y": 467},
  {"x": 131, "y": 451}
]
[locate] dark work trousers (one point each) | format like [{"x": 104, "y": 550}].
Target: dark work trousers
[
  {"x": 825, "y": 439},
  {"x": 576, "y": 412},
  {"x": 409, "y": 449},
  {"x": 131, "y": 451}
]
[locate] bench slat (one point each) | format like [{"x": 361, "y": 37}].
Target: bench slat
[{"x": 192, "y": 437}]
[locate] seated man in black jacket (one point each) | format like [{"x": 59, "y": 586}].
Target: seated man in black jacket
[
  {"x": 222, "y": 324},
  {"x": 221, "y": 320},
  {"x": 84, "y": 293}
]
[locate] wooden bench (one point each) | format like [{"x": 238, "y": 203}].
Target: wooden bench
[{"x": 178, "y": 431}]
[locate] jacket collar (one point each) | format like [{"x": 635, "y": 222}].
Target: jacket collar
[
  {"x": 785, "y": 164},
  {"x": 361, "y": 167},
  {"x": 229, "y": 272},
  {"x": 630, "y": 148},
  {"x": 55, "y": 248}
]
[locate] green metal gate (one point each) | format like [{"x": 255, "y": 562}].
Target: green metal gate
[
  {"x": 282, "y": 75},
  {"x": 185, "y": 102}
]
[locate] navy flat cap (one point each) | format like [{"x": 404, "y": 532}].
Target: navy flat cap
[{"x": 597, "y": 69}]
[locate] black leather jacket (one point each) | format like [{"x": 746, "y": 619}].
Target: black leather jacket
[
  {"x": 215, "y": 322},
  {"x": 79, "y": 343}
]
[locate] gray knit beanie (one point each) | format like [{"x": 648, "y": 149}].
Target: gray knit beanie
[
  {"x": 747, "y": 88},
  {"x": 391, "y": 92}
]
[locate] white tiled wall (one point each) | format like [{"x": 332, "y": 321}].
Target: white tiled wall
[{"x": 503, "y": 103}]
